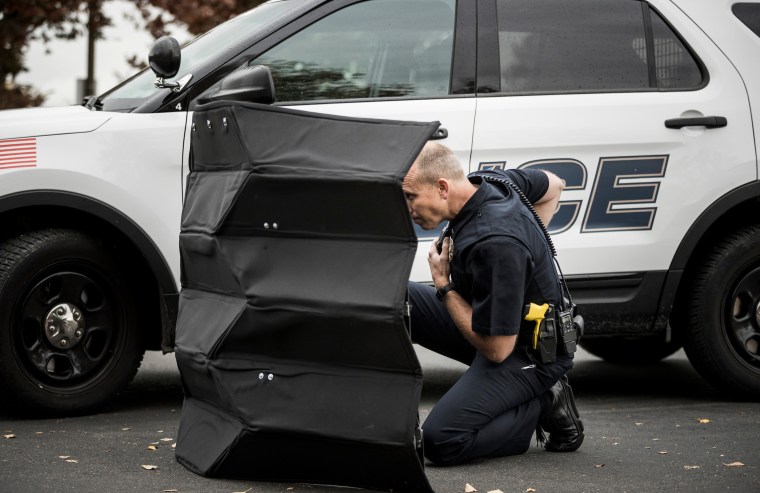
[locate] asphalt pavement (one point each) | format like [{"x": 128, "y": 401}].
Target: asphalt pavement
[{"x": 648, "y": 429}]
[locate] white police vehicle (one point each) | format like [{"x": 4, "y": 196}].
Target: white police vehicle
[{"x": 645, "y": 108}]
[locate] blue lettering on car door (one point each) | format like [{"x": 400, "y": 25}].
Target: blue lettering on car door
[{"x": 616, "y": 194}]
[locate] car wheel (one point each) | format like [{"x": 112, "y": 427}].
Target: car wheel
[
  {"x": 69, "y": 338},
  {"x": 630, "y": 351},
  {"x": 722, "y": 336}
]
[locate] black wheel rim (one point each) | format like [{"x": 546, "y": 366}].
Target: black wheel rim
[
  {"x": 743, "y": 318},
  {"x": 72, "y": 368}
]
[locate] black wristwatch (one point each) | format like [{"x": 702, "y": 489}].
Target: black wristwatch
[{"x": 440, "y": 293}]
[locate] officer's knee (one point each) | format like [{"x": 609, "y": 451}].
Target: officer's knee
[{"x": 442, "y": 448}]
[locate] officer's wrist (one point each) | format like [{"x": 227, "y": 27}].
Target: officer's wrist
[{"x": 441, "y": 292}]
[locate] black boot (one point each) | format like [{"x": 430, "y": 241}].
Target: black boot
[{"x": 560, "y": 419}]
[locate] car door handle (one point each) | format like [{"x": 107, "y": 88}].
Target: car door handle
[
  {"x": 703, "y": 121},
  {"x": 441, "y": 133}
]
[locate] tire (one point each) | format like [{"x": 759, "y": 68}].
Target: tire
[
  {"x": 722, "y": 335},
  {"x": 69, "y": 338},
  {"x": 631, "y": 351}
]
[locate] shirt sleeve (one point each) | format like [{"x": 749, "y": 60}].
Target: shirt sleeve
[
  {"x": 501, "y": 271},
  {"x": 533, "y": 182}
]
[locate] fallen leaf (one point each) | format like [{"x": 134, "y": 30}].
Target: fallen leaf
[
  {"x": 468, "y": 488},
  {"x": 663, "y": 452},
  {"x": 10, "y": 435},
  {"x": 155, "y": 443},
  {"x": 495, "y": 491},
  {"x": 152, "y": 447},
  {"x": 149, "y": 467},
  {"x": 64, "y": 456},
  {"x": 167, "y": 439},
  {"x": 530, "y": 490},
  {"x": 734, "y": 464},
  {"x": 598, "y": 465},
  {"x": 126, "y": 429},
  {"x": 639, "y": 424},
  {"x": 704, "y": 420},
  {"x": 174, "y": 445},
  {"x": 39, "y": 432},
  {"x": 73, "y": 461},
  {"x": 249, "y": 489},
  {"x": 691, "y": 467}
]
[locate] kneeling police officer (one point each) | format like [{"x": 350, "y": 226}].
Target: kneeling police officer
[{"x": 498, "y": 305}]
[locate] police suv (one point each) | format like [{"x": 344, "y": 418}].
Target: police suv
[{"x": 645, "y": 108}]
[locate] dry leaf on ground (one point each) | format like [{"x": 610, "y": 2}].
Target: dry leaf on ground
[
  {"x": 495, "y": 491},
  {"x": 468, "y": 488},
  {"x": 704, "y": 420},
  {"x": 149, "y": 467},
  {"x": 734, "y": 464},
  {"x": 663, "y": 452},
  {"x": 152, "y": 447},
  {"x": 73, "y": 461},
  {"x": 9, "y": 435},
  {"x": 598, "y": 465},
  {"x": 691, "y": 467}
]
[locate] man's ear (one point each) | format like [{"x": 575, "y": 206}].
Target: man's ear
[{"x": 444, "y": 187}]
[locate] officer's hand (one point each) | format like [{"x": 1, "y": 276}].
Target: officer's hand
[{"x": 439, "y": 263}]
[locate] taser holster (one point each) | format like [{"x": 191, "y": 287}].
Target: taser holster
[{"x": 551, "y": 332}]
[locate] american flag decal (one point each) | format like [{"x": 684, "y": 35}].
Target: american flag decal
[{"x": 18, "y": 153}]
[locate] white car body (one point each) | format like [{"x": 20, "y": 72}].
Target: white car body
[{"x": 136, "y": 163}]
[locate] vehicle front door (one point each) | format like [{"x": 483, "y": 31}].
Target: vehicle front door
[{"x": 389, "y": 59}]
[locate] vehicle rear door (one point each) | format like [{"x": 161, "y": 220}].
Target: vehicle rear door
[{"x": 602, "y": 93}]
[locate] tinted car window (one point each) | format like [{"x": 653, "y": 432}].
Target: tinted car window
[
  {"x": 373, "y": 49},
  {"x": 674, "y": 64},
  {"x": 588, "y": 45},
  {"x": 749, "y": 14}
]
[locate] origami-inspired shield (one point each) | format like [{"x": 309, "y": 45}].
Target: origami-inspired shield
[{"x": 296, "y": 248}]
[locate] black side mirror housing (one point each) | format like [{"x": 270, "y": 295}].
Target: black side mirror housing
[
  {"x": 164, "y": 57},
  {"x": 251, "y": 84}
]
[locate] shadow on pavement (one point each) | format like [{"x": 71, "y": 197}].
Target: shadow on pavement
[{"x": 672, "y": 377}]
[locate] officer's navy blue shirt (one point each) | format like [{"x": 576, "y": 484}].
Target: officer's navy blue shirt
[{"x": 501, "y": 259}]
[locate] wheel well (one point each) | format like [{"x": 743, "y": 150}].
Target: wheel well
[
  {"x": 734, "y": 218},
  {"x": 30, "y": 218}
]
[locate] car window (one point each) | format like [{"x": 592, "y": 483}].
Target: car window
[
  {"x": 587, "y": 45},
  {"x": 134, "y": 91},
  {"x": 676, "y": 68},
  {"x": 372, "y": 49},
  {"x": 749, "y": 14}
]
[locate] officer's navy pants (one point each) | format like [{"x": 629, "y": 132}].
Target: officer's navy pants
[{"x": 493, "y": 409}]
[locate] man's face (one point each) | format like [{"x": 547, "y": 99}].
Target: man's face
[{"x": 425, "y": 202}]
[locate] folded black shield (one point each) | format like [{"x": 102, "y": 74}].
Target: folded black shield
[{"x": 296, "y": 248}]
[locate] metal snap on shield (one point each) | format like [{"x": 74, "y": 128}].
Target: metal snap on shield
[{"x": 270, "y": 377}]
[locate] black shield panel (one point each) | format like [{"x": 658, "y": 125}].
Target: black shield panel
[{"x": 296, "y": 247}]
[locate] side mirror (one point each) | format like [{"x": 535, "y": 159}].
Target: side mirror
[
  {"x": 252, "y": 84},
  {"x": 164, "y": 57}
]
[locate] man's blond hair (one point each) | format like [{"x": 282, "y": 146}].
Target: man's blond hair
[{"x": 437, "y": 161}]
